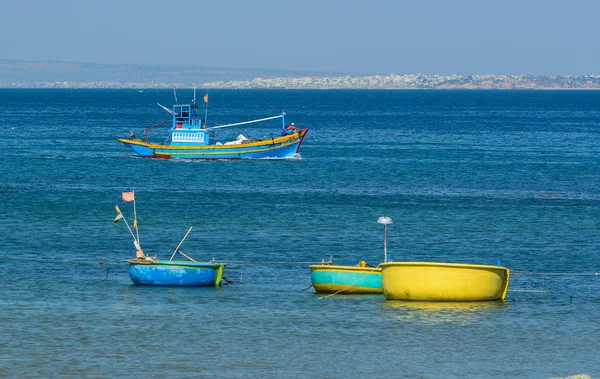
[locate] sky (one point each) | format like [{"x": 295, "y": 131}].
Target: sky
[{"x": 505, "y": 37}]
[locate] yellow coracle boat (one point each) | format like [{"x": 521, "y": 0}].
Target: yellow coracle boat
[{"x": 435, "y": 281}]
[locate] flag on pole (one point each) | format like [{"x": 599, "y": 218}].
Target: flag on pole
[
  {"x": 135, "y": 224},
  {"x": 119, "y": 214},
  {"x": 128, "y": 196},
  {"x": 206, "y": 98}
]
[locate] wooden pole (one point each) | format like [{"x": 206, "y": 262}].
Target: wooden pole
[
  {"x": 177, "y": 248},
  {"x": 187, "y": 256},
  {"x": 135, "y": 221}
]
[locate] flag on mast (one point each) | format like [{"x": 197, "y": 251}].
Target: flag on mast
[
  {"x": 119, "y": 214},
  {"x": 206, "y": 98},
  {"x": 128, "y": 196}
]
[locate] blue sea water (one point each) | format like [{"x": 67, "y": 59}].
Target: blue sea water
[{"x": 466, "y": 176}]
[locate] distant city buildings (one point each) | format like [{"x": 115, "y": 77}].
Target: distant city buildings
[
  {"x": 393, "y": 81},
  {"x": 419, "y": 81}
]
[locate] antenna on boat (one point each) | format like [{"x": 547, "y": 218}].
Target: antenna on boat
[
  {"x": 175, "y": 93},
  {"x": 194, "y": 95},
  {"x": 385, "y": 221}
]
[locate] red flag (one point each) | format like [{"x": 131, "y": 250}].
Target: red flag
[
  {"x": 128, "y": 196},
  {"x": 206, "y": 98}
]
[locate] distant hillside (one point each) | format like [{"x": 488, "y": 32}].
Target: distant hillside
[{"x": 21, "y": 72}]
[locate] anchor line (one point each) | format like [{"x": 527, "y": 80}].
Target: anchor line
[
  {"x": 49, "y": 260},
  {"x": 350, "y": 285},
  {"x": 514, "y": 272},
  {"x": 107, "y": 270},
  {"x": 229, "y": 281},
  {"x": 546, "y": 274},
  {"x": 101, "y": 263},
  {"x": 268, "y": 263}
]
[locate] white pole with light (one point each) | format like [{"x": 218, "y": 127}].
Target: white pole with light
[{"x": 385, "y": 221}]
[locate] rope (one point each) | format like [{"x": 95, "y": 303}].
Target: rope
[
  {"x": 62, "y": 260},
  {"x": 268, "y": 263},
  {"x": 537, "y": 291},
  {"x": 125, "y": 260},
  {"x": 345, "y": 288},
  {"x": 100, "y": 265},
  {"x": 245, "y": 122},
  {"x": 554, "y": 273},
  {"x": 229, "y": 281},
  {"x": 544, "y": 275}
]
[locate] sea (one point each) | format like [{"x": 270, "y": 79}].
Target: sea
[{"x": 467, "y": 176}]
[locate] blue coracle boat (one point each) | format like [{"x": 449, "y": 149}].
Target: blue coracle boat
[
  {"x": 150, "y": 271},
  {"x": 190, "y": 138},
  {"x": 327, "y": 278},
  {"x": 359, "y": 279},
  {"x": 175, "y": 273}
]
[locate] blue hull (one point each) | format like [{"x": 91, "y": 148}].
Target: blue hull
[
  {"x": 348, "y": 279},
  {"x": 279, "y": 147},
  {"x": 175, "y": 273}
]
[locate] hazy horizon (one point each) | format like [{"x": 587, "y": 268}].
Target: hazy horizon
[{"x": 348, "y": 37}]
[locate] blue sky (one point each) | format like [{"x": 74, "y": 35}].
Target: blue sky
[{"x": 360, "y": 37}]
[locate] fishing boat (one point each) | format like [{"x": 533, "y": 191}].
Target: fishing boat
[
  {"x": 436, "y": 281},
  {"x": 150, "y": 271},
  {"x": 190, "y": 138},
  {"x": 359, "y": 279}
]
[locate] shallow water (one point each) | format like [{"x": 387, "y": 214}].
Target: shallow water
[{"x": 466, "y": 176}]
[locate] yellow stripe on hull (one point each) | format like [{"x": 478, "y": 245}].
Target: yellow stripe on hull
[
  {"x": 194, "y": 150},
  {"x": 434, "y": 281},
  {"x": 288, "y": 140},
  {"x": 331, "y": 288}
]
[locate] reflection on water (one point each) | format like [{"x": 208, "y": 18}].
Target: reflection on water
[{"x": 442, "y": 312}]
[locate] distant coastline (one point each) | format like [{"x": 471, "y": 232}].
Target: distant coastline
[
  {"x": 418, "y": 81},
  {"x": 387, "y": 82},
  {"x": 24, "y": 74}
]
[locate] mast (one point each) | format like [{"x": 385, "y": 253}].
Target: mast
[
  {"x": 135, "y": 225},
  {"x": 205, "y": 108},
  {"x": 194, "y": 107}
]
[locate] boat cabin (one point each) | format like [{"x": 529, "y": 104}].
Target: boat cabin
[{"x": 189, "y": 128}]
